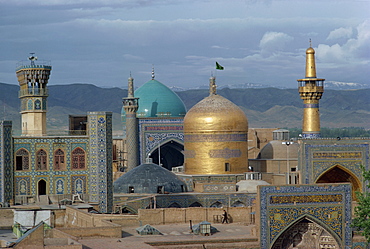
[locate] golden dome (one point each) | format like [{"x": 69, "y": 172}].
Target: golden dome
[
  {"x": 215, "y": 113},
  {"x": 310, "y": 50},
  {"x": 215, "y": 138}
]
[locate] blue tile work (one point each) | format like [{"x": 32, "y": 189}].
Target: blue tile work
[
  {"x": 49, "y": 144},
  {"x": 23, "y": 185},
  {"x": 319, "y": 155},
  {"x": 329, "y": 205},
  {"x": 154, "y": 131},
  {"x": 360, "y": 245},
  {"x": 100, "y": 173},
  {"x": 311, "y": 135},
  {"x": 79, "y": 184},
  {"x": 59, "y": 187},
  {"x": 6, "y": 162}
]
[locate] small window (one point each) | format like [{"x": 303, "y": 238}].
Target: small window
[
  {"x": 59, "y": 162},
  {"x": 41, "y": 160},
  {"x": 78, "y": 159},
  {"x": 160, "y": 189},
  {"x": 227, "y": 167},
  {"x": 131, "y": 189},
  {"x": 22, "y": 160}
]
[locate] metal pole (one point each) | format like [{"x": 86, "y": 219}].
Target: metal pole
[{"x": 159, "y": 153}]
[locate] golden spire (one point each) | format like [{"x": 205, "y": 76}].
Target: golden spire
[
  {"x": 310, "y": 62},
  {"x": 212, "y": 86}
]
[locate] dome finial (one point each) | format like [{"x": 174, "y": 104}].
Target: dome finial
[
  {"x": 310, "y": 62},
  {"x": 153, "y": 76},
  {"x": 310, "y": 43},
  {"x": 212, "y": 86}
]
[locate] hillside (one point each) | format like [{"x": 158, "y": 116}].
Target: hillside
[{"x": 265, "y": 107}]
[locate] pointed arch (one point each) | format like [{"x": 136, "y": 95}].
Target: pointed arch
[
  {"x": 174, "y": 205},
  {"x": 78, "y": 159},
  {"x": 22, "y": 160},
  {"x": 216, "y": 204},
  {"x": 196, "y": 204},
  {"x": 295, "y": 233},
  {"x": 238, "y": 204},
  {"x": 41, "y": 187},
  {"x": 41, "y": 160},
  {"x": 59, "y": 160},
  {"x": 338, "y": 174},
  {"x": 171, "y": 153}
]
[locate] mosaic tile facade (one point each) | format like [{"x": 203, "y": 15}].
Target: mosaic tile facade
[
  {"x": 328, "y": 205},
  {"x": 93, "y": 179},
  {"x": 155, "y": 131},
  {"x": 50, "y": 145},
  {"x": 6, "y": 162},
  {"x": 101, "y": 159},
  {"x": 320, "y": 155}
]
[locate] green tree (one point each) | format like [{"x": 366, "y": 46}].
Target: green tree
[{"x": 362, "y": 211}]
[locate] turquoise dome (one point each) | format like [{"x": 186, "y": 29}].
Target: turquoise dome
[{"x": 157, "y": 100}]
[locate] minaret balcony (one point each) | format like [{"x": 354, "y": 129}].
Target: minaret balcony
[{"x": 33, "y": 92}]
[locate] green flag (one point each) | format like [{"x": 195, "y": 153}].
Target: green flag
[{"x": 219, "y": 67}]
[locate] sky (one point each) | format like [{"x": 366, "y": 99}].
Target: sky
[{"x": 102, "y": 42}]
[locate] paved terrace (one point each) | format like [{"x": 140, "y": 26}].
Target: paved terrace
[{"x": 179, "y": 236}]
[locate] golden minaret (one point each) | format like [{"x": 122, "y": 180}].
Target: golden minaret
[
  {"x": 33, "y": 79},
  {"x": 311, "y": 90}
]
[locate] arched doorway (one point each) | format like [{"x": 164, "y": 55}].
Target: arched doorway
[
  {"x": 41, "y": 187},
  {"x": 305, "y": 234},
  {"x": 171, "y": 155},
  {"x": 338, "y": 174}
]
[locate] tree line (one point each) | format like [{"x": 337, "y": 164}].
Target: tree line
[{"x": 335, "y": 132}]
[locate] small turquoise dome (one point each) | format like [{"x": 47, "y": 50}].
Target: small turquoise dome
[{"x": 157, "y": 100}]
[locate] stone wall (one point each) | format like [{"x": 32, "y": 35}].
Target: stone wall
[
  {"x": 78, "y": 218},
  {"x": 196, "y": 215},
  {"x": 6, "y": 217},
  {"x": 113, "y": 231}
]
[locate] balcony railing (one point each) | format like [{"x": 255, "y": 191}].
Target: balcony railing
[
  {"x": 33, "y": 92},
  {"x": 40, "y": 64}
]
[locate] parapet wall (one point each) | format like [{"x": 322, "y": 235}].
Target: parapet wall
[{"x": 244, "y": 215}]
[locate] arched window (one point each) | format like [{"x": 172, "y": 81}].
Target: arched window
[
  {"x": 59, "y": 162},
  {"x": 78, "y": 159},
  {"x": 22, "y": 161},
  {"x": 41, "y": 160}
]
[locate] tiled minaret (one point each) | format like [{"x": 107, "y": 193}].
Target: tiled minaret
[
  {"x": 33, "y": 93},
  {"x": 131, "y": 105},
  {"x": 311, "y": 90}
]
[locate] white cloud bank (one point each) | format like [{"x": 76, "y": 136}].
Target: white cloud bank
[{"x": 354, "y": 50}]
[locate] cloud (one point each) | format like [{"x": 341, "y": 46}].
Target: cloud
[
  {"x": 273, "y": 42},
  {"x": 340, "y": 33},
  {"x": 354, "y": 50}
]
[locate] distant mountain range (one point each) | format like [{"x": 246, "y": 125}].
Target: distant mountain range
[
  {"x": 333, "y": 85},
  {"x": 265, "y": 107}
]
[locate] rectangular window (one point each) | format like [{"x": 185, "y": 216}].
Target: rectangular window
[
  {"x": 131, "y": 189},
  {"x": 18, "y": 163},
  {"x": 227, "y": 167},
  {"x": 160, "y": 189}
]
